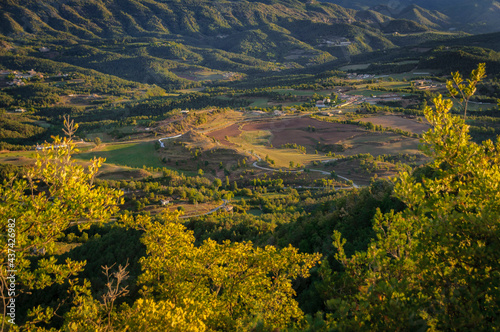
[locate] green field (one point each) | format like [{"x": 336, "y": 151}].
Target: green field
[
  {"x": 13, "y": 154},
  {"x": 131, "y": 155},
  {"x": 477, "y": 107},
  {"x": 393, "y": 84},
  {"x": 206, "y": 75},
  {"x": 259, "y": 102}
]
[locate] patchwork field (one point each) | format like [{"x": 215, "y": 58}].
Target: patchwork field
[
  {"x": 305, "y": 131},
  {"x": 229, "y": 137},
  {"x": 264, "y": 139},
  {"x": 232, "y": 136},
  {"x": 381, "y": 143},
  {"x": 400, "y": 122}
]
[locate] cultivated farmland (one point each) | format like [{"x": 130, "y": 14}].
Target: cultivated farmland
[
  {"x": 400, "y": 122},
  {"x": 305, "y": 131}
]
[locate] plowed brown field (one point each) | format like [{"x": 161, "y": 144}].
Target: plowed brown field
[
  {"x": 395, "y": 121},
  {"x": 231, "y": 131},
  {"x": 296, "y": 131}
]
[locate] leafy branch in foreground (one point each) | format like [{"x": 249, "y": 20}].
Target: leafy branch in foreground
[
  {"x": 462, "y": 90},
  {"x": 56, "y": 192},
  {"x": 434, "y": 265},
  {"x": 230, "y": 286}
]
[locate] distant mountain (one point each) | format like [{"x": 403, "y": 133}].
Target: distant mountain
[
  {"x": 167, "y": 42},
  {"x": 113, "y": 18},
  {"x": 429, "y": 18},
  {"x": 477, "y": 16}
]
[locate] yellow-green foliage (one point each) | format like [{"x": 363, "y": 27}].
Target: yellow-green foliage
[
  {"x": 235, "y": 283},
  {"x": 230, "y": 286},
  {"x": 55, "y": 193},
  {"x": 435, "y": 264}
]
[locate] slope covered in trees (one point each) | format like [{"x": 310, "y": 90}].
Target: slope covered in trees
[
  {"x": 480, "y": 16},
  {"x": 430, "y": 264},
  {"x": 227, "y": 35}
]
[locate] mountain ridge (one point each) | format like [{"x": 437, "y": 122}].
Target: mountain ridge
[
  {"x": 166, "y": 41},
  {"x": 480, "y": 16}
]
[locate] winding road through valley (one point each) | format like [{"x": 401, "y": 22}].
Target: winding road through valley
[{"x": 273, "y": 169}]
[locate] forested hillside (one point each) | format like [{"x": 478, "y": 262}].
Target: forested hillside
[
  {"x": 249, "y": 165},
  {"x": 169, "y": 43},
  {"x": 479, "y": 16},
  {"x": 417, "y": 252},
  {"x": 294, "y": 33}
]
